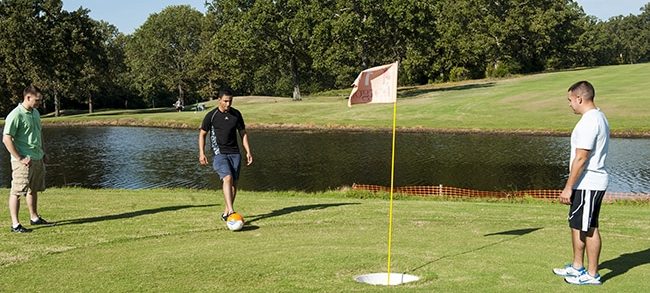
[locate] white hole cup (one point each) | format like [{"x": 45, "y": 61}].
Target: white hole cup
[{"x": 382, "y": 279}]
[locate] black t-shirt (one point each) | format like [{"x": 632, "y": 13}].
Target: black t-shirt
[{"x": 223, "y": 128}]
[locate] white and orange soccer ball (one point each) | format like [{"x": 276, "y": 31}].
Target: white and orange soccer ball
[{"x": 235, "y": 222}]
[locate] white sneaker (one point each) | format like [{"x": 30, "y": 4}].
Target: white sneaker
[
  {"x": 584, "y": 279},
  {"x": 569, "y": 271}
]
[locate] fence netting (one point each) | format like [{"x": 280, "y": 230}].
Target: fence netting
[{"x": 448, "y": 191}]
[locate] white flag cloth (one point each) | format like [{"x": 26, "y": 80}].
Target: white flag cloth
[{"x": 375, "y": 85}]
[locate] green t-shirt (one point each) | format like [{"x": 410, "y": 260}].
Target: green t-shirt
[{"x": 25, "y": 128}]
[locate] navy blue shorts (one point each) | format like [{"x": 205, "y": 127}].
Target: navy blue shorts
[
  {"x": 227, "y": 164},
  {"x": 585, "y": 209}
]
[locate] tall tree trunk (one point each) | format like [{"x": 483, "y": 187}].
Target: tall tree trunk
[
  {"x": 57, "y": 104},
  {"x": 90, "y": 104},
  {"x": 296, "y": 81},
  {"x": 180, "y": 94}
]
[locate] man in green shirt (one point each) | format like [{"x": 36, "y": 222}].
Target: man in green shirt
[{"x": 23, "y": 139}]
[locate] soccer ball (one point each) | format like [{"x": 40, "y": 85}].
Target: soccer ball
[{"x": 235, "y": 222}]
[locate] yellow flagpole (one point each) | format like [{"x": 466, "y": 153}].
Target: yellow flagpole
[{"x": 392, "y": 180}]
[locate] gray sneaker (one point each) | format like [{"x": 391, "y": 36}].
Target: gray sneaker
[
  {"x": 569, "y": 271},
  {"x": 584, "y": 279}
]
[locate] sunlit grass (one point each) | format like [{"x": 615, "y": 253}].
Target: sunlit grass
[{"x": 171, "y": 240}]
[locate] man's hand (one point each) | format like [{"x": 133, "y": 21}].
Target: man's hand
[
  {"x": 249, "y": 159},
  {"x": 27, "y": 161},
  {"x": 203, "y": 160},
  {"x": 565, "y": 196}
]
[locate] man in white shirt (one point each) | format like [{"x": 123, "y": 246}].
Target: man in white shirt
[{"x": 586, "y": 185}]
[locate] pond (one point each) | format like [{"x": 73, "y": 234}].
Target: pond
[{"x": 135, "y": 158}]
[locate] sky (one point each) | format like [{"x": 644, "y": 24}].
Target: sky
[{"x": 128, "y": 15}]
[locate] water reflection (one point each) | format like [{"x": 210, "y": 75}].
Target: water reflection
[{"x": 131, "y": 158}]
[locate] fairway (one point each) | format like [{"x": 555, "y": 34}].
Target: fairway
[
  {"x": 172, "y": 240},
  {"x": 533, "y": 103}
]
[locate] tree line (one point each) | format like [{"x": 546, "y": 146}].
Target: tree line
[{"x": 291, "y": 47}]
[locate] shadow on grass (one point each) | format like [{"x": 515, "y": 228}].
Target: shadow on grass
[
  {"x": 518, "y": 233},
  {"x": 624, "y": 263},
  {"x": 248, "y": 228},
  {"x": 294, "y": 209},
  {"x": 128, "y": 215},
  {"x": 410, "y": 92}
]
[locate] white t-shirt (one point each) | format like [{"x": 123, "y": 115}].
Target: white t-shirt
[{"x": 592, "y": 133}]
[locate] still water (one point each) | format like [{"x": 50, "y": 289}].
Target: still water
[{"x": 134, "y": 158}]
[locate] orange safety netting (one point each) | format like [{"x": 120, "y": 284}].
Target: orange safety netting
[{"x": 449, "y": 191}]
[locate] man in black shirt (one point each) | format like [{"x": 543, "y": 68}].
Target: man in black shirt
[{"x": 223, "y": 123}]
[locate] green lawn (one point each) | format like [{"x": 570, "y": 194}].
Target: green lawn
[
  {"x": 531, "y": 103},
  {"x": 171, "y": 241}
]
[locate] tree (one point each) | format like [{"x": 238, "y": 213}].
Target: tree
[
  {"x": 506, "y": 36},
  {"x": 162, "y": 51},
  {"x": 63, "y": 61},
  {"x": 644, "y": 20},
  {"x": 274, "y": 37},
  {"x": 21, "y": 50},
  {"x": 117, "y": 88},
  {"x": 90, "y": 39},
  {"x": 229, "y": 52},
  {"x": 350, "y": 36}
]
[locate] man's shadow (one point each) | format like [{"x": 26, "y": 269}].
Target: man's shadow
[
  {"x": 624, "y": 263},
  {"x": 294, "y": 209},
  {"x": 518, "y": 233},
  {"x": 128, "y": 215}
]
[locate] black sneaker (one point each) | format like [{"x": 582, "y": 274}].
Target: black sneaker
[
  {"x": 20, "y": 229},
  {"x": 40, "y": 221},
  {"x": 224, "y": 217}
]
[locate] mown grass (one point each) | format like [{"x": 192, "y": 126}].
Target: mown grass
[
  {"x": 532, "y": 103},
  {"x": 170, "y": 240}
]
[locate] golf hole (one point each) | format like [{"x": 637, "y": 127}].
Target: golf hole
[{"x": 382, "y": 279}]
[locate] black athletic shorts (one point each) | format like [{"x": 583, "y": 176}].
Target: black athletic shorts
[{"x": 585, "y": 208}]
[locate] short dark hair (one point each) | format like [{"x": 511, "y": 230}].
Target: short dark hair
[
  {"x": 224, "y": 92},
  {"x": 583, "y": 89},
  {"x": 31, "y": 90}
]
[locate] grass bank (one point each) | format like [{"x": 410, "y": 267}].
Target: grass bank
[
  {"x": 528, "y": 104},
  {"x": 171, "y": 241}
]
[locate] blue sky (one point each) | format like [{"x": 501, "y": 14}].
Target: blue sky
[{"x": 128, "y": 15}]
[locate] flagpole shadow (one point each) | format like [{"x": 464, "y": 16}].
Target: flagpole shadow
[
  {"x": 295, "y": 209},
  {"x": 624, "y": 263},
  {"x": 518, "y": 233}
]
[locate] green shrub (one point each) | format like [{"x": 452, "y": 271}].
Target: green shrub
[
  {"x": 502, "y": 69},
  {"x": 459, "y": 74}
]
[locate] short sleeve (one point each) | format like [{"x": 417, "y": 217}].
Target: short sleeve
[
  {"x": 11, "y": 124},
  {"x": 240, "y": 122},
  {"x": 586, "y": 134},
  {"x": 207, "y": 121}
]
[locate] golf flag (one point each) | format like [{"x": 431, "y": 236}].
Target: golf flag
[
  {"x": 379, "y": 85},
  {"x": 375, "y": 85}
]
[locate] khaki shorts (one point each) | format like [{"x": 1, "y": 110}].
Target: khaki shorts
[{"x": 27, "y": 179}]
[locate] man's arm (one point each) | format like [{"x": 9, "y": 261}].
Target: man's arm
[
  {"x": 8, "y": 141},
  {"x": 244, "y": 140},
  {"x": 203, "y": 160},
  {"x": 577, "y": 167}
]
